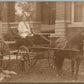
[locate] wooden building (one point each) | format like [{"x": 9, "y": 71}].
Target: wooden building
[{"x": 62, "y": 17}]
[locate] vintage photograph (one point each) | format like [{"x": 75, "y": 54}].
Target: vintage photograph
[{"x": 41, "y": 42}]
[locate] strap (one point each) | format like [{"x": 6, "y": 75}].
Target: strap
[{"x": 43, "y": 37}]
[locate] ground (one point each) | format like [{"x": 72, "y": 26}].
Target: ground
[{"x": 41, "y": 72}]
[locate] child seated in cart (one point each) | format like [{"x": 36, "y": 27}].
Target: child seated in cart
[
  {"x": 25, "y": 33},
  {"x": 27, "y": 36}
]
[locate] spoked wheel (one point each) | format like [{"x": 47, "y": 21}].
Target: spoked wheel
[
  {"x": 4, "y": 55},
  {"x": 25, "y": 59}
]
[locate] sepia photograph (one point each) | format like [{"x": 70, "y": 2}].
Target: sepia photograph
[{"x": 41, "y": 41}]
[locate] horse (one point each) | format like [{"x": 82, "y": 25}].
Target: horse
[{"x": 75, "y": 54}]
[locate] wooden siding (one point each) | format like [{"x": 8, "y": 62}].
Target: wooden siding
[
  {"x": 71, "y": 31},
  {"x": 60, "y": 19},
  {"x": 4, "y": 28},
  {"x": 11, "y": 11},
  {"x": 60, "y": 11},
  {"x": 63, "y": 16},
  {"x": 60, "y": 29},
  {"x": 38, "y": 11},
  {"x": 14, "y": 25},
  {"x": 4, "y": 11}
]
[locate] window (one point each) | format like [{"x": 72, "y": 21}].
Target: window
[{"x": 77, "y": 12}]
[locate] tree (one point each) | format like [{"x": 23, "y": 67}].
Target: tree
[{"x": 24, "y": 8}]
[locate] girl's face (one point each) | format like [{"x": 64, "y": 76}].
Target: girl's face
[{"x": 24, "y": 18}]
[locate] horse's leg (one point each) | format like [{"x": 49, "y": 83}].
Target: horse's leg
[
  {"x": 78, "y": 60},
  {"x": 60, "y": 66},
  {"x": 57, "y": 64},
  {"x": 56, "y": 61},
  {"x": 72, "y": 67},
  {"x": 59, "y": 60}
]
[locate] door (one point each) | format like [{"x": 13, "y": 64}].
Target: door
[
  {"x": 48, "y": 17},
  {"x": 48, "y": 14}
]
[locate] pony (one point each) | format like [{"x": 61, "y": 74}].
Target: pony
[{"x": 72, "y": 50}]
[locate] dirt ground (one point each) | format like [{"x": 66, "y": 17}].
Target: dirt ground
[{"x": 41, "y": 72}]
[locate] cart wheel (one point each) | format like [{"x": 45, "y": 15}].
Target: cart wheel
[
  {"x": 4, "y": 55},
  {"x": 25, "y": 59},
  {"x": 33, "y": 58}
]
